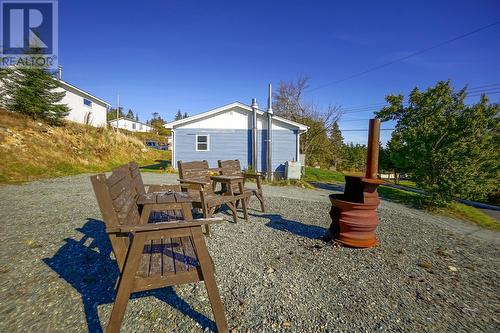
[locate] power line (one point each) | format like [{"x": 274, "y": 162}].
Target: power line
[
  {"x": 366, "y": 130},
  {"x": 408, "y": 56},
  {"x": 475, "y": 92}
]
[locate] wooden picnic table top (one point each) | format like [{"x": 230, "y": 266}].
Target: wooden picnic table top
[
  {"x": 227, "y": 179},
  {"x": 163, "y": 198}
]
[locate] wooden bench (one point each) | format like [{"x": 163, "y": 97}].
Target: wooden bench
[
  {"x": 233, "y": 168},
  {"x": 154, "y": 255},
  {"x": 196, "y": 174}
]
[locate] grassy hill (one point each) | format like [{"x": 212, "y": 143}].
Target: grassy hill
[{"x": 33, "y": 150}]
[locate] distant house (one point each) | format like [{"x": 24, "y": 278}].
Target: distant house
[
  {"x": 85, "y": 108},
  {"x": 130, "y": 125},
  {"x": 227, "y": 133}
]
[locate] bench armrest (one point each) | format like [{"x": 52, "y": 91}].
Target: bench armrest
[
  {"x": 194, "y": 182},
  {"x": 253, "y": 175},
  {"x": 227, "y": 179}
]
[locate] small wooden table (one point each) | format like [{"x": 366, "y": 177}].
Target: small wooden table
[
  {"x": 169, "y": 206},
  {"x": 228, "y": 183}
]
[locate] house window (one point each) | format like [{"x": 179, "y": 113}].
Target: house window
[
  {"x": 87, "y": 102},
  {"x": 133, "y": 125},
  {"x": 202, "y": 143}
]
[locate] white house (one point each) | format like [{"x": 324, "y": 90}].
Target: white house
[
  {"x": 85, "y": 108},
  {"x": 130, "y": 125}
]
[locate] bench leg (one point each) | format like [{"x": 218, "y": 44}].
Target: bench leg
[
  {"x": 207, "y": 270},
  {"x": 261, "y": 199},
  {"x": 126, "y": 283},
  {"x": 232, "y": 207},
  {"x": 245, "y": 208}
]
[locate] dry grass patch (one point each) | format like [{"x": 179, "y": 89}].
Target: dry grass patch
[{"x": 33, "y": 150}]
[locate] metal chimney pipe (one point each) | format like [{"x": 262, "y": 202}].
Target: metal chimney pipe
[
  {"x": 59, "y": 73},
  {"x": 255, "y": 107},
  {"x": 373, "y": 149},
  {"x": 269, "y": 135}
]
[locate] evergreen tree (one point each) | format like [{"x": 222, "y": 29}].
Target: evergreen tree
[
  {"x": 185, "y": 115},
  {"x": 336, "y": 146},
  {"x": 111, "y": 114},
  {"x": 137, "y": 117},
  {"x": 130, "y": 114},
  {"x": 178, "y": 115},
  {"x": 448, "y": 146},
  {"x": 32, "y": 91}
]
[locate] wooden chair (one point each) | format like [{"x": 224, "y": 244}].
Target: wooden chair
[
  {"x": 233, "y": 168},
  {"x": 196, "y": 174},
  {"x": 154, "y": 255}
]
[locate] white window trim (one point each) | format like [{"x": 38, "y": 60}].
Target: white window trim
[{"x": 208, "y": 142}]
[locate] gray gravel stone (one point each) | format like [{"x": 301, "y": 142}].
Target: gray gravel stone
[{"x": 57, "y": 274}]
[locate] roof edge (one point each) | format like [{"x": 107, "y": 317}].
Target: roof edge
[{"x": 175, "y": 123}]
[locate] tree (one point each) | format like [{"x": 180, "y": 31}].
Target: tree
[
  {"x": 178, "y": 115},
  {"x": 185, "y": 115},
  {"x": 289, "y": 103},
  {"x": 137, "y": 117},
  {"x": 354, "y": 158},
  {"x": 157, "y": 123},
  {"x": 450, "y": 148},
  {"x": 130, "y": 114},
  {"x": 336, "y": 146},
  {"x": 111, "y": 114},
  {"x": 33, "y": 92}
]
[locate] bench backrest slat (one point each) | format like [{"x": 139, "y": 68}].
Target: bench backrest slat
[
  {"x": 230, "y": 168},
  {"x": 116, "y": 197},
  {"x": 195, "y": 171}
]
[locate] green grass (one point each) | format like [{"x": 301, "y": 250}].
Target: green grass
[
  {"x": 411, "y": 199},
  {"x": 456, "y": 210},
  {"x": 323, "y": 176},
  {"x": 405, "y": 183},
  {"x": 470, "y": 214}
]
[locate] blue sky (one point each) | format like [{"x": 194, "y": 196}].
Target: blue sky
[{"x": 161, "y": 56}]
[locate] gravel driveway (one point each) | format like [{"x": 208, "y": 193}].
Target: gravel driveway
[{"x": 429, "y": 274}]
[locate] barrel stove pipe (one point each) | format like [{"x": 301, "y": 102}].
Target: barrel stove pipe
[
  {"x": 254, "y": 134},
  {"x": 354, "y": 213},
  {"x": 269, "y": 162},
  {"x": 373, "y": 149}
]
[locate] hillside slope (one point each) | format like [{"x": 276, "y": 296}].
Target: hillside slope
[{"x": 33, "y": 150}]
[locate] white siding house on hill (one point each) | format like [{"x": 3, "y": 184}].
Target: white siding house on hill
[
  {"x": 228, "y": 132},
  {"x": 130, "y": 125},
  {"x": 85, "y": 108}
]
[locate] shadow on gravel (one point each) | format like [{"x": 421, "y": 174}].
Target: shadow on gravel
[
  {"x": 294, "y": 227},
  {"x": 87, "y": 266}
]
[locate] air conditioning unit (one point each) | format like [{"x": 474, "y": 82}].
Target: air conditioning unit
[{"x": 292, "y": 170}]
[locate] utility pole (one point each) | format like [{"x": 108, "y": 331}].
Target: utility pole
[{"x": 117, "y": 110}]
